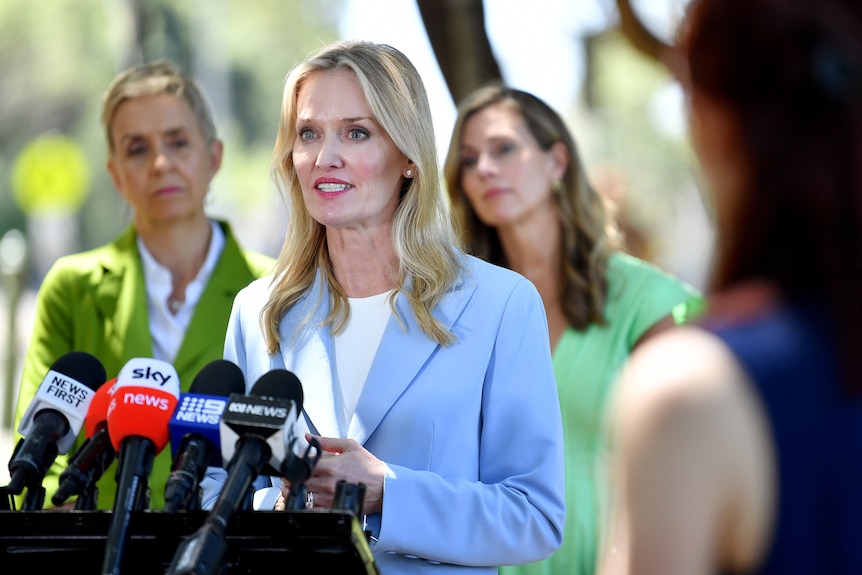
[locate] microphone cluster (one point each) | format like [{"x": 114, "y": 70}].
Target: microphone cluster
[
  {"x": 131, "y": 418},
  {"x": 257, "y": 437}
]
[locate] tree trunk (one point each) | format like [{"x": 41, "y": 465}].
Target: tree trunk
[{"x": 456, "y": 30}]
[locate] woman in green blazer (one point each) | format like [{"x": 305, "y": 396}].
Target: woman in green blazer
[{"x": 164, "y": 287}]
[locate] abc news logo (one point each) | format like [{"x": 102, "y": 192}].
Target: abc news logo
[
  {"x": 258, "y": 409},
  {"x": 205, "y": 410}
]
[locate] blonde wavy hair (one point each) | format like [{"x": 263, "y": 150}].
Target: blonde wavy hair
[{"x": 423, "y": 233}]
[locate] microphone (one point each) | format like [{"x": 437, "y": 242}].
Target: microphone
[
  {"x": 275, "y": 399},
  {"x": 94, "y": 456},
  {"x": 52, "y": 421},
  {"x": 144, "y": 398},
  {"x": 252, "y": 434},
  {"x": 194, "y": 432}
]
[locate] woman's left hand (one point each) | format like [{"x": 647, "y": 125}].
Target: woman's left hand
[{"x": 344, "y": 459}]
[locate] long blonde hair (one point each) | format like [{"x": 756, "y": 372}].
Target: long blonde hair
[{"x": 423, "y": 235}]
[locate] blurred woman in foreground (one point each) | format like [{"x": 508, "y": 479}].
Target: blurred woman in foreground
[{"x": 740, "y": 438}]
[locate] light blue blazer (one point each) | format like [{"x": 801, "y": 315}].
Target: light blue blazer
[{"x": 471, "y": 433}]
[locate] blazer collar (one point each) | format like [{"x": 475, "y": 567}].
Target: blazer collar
[
  {"x": 229, "y": 276},
  {"x": 118, "y": 299},
  {"x": 400, "y": 356}
]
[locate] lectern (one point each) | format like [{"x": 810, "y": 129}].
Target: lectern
[{"x": 328, "y": 541}]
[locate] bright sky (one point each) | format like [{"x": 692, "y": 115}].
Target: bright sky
[
  {"x": 537, "y": 49},
  {"x": 536, "y": 43}
]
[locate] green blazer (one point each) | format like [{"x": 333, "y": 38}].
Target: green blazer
[{"x": 96, "y": 302}]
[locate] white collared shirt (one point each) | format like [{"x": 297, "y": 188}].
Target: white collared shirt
[{"x": 167, "y": 329}]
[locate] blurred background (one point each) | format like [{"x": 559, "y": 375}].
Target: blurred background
[{"x": 600, "y": 63}]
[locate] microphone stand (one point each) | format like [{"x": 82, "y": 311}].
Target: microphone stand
[
  {"x": 202, "y": 553},
  {"x": 136, "y": 462},
  {"x": 182, "y": 491},
  {"x": 27, "y": 469},
  {"x": 35, "y": 498},
  {"x": 84, "y": 470},
  {"x": 297, "y": 469},
  {"x": 87, "y": 500}
]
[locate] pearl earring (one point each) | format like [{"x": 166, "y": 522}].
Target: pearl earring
[{"x": 408, "y": 173}]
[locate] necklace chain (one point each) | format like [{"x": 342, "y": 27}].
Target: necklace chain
[{"x": 174, "y": 305}]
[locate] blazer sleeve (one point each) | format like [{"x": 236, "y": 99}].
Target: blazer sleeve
[
  {"x": 51, "y": 337},
  {"x": 515, "y": 512}
]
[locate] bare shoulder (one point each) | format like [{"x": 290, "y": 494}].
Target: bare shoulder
[
  {"x": 681, "y": 366},
  {"x": 685, "y": 416}
]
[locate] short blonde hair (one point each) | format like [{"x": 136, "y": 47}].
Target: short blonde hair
[{"x": 157, "y": 77}]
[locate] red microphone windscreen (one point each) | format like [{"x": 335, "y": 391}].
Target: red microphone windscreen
[
  {"x": 144, "y": 399},
  {"x": 97, "y": 413}
]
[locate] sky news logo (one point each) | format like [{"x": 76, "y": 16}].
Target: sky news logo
[
  {"x": 146, "y": 400},
  {"x": 149, "y": 373}
]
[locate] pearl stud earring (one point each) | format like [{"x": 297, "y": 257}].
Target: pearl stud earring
[{"x": 408, "y": 173}]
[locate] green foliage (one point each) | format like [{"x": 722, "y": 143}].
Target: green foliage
[
  {"x": 624, "y": 129},
  {"x": 57, "y": 58}
]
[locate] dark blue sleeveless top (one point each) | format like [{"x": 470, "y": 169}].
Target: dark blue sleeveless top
[{"x": 817, "y": 435}]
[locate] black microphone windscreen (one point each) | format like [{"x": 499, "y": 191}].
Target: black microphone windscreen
[
  {"x": 84, "y": 367},
  {"x": 279, "y": 383},
  {"x": 219, "y": 377}
]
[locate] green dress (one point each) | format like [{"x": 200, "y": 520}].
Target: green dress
[{"x": 585, "y": 365}]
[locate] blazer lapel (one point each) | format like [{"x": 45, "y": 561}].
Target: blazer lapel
[
  {"x": 229, "y": 276},
  {"x": 400, "y": 356},
  {"x": 122, "y": 305},
  {"x": 306, "y": 351}
]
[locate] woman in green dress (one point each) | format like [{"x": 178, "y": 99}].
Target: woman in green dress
[{"x": 517, "y": 182}]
